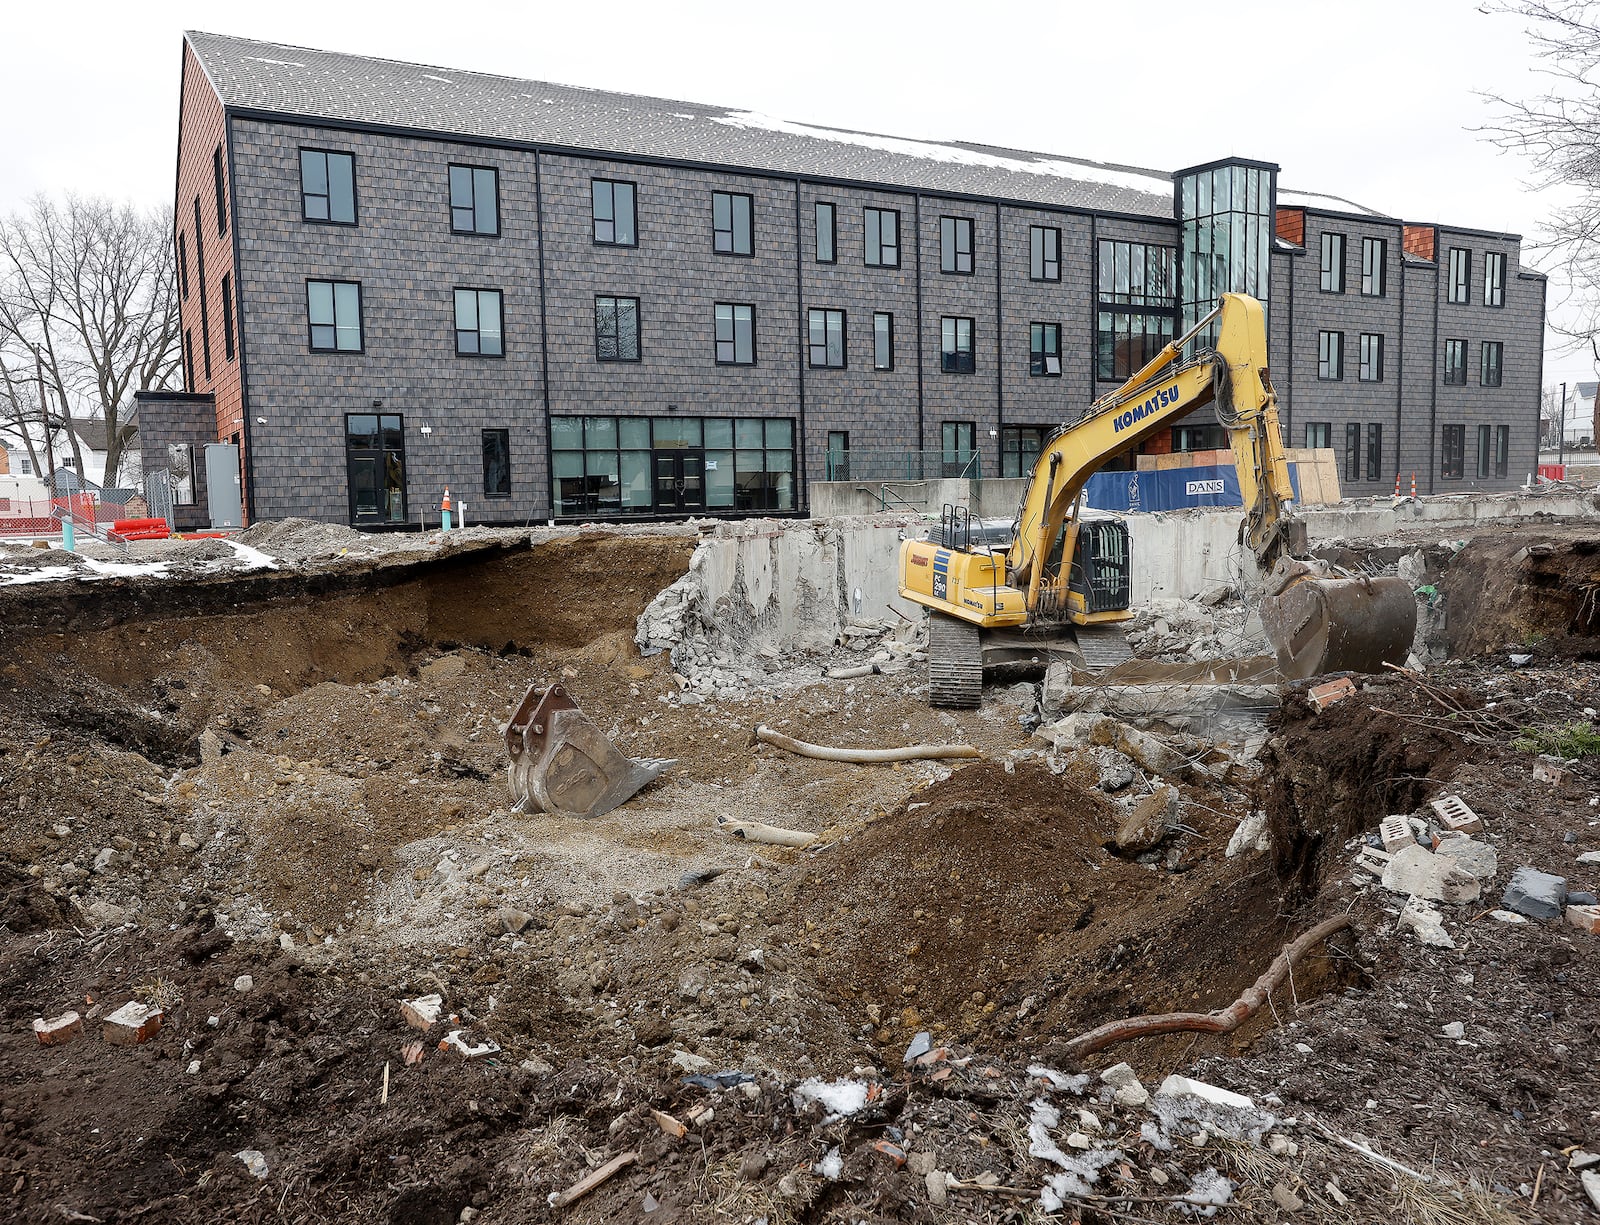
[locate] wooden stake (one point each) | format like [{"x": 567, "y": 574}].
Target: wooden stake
[
  {"x": 384, "y": 1099},
  {"x": 591, "y": 1180}
]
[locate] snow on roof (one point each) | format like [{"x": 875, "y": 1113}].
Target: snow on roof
[{"x": 1290, "y": 198}]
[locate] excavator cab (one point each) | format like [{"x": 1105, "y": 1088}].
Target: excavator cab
[{"x": 1101, "y": 577}]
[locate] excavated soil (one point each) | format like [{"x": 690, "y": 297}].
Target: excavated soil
[
  {"x": 1523, "y": 591},
  {"x": 298, "y": 776}
]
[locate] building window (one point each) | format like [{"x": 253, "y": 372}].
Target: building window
[
  {"x": 731, "y": 223},
  {"x": 1485, "y": 454},
  {"x": 1352, "y": 452},
  {"x": 1374, "y": 451},
  {"x": 616, "y": 329},
  {"x": 183, "y": 265},
  {"x": 1199, "y": 438},
  {"x": 227, "y": 316},
  {"x": 334, "y": 308},
  {"x": 474, "y": 200},
  {"x": 1137, "y": 305},
  {"x": 613, "y": 213},
  {"x": 837, "y": 465},
  {"x": 955, "y": 345},
  {"x": 1019, "y": 448},
  {"x": 1044, "y": 350},
  {"x": 1330, "y": 355},
  {"x": 882, "y": 341},
  {"x": 1333, "y": 263},
  {"x": 1490, "y": 354},
  {"x": 1460, "y": 274},
  {"x": 1502, "y": 449},
  {"x": 200, "y": 278},
  {"x": 188, "y": 359},
  {"x": 955, "y": 245},
  {"x": 960, "y": 448},
  {"x": 1452, "y": 453},
  {"x": 827, "y": 339},
  {"x": 497, "y": 463},
  {"x": 327, "y": 187},
  {"x": 222, "y": 199},
  {"x": 882, "y": 227},
  {"x": 1374, "y": 266},
  {"x": 478, "y": 323},
  {"x": 1455, "y": 363},
  {"x": 669, "y": 465},
  {"x": 375, "y": 467},
  {"x": 1494, "y": 278},
  {"x": 1319, "y": 435},
  {"x": 1371, "y": 369},
  {"x": 827, "y": 232},
  {"x": 1044, "y": 253},
  {"x": 736, "y": 334}
]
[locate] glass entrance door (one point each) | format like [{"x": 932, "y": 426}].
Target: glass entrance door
[
  {"x": 375, "y": 461},
  {"x": 680, "y": 481}
]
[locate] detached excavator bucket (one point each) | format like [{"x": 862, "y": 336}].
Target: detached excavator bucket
[
  {"x": 1321, "y": 619},
  {"x": 562, "y": 763}
]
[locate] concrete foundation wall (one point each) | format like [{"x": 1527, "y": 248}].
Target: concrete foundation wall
[{"x": 991, "y": 498}]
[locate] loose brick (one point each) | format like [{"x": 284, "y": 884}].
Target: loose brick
[
  {"x": 132, "y": 1024},
  {"x": 1396, "y": 833},
  {"x": 1455, "y": 816},
  {"x": 58, "y": 1031},
  {"x": 1323, "y": 696},
  {"x": 1585, "y": 918},
  {"x": 423, "y": 1012}
]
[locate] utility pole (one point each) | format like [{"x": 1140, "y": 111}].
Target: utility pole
[{"x": 1561, "y": 433}]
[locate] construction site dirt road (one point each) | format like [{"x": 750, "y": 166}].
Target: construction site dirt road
[{"x": 262, "y": 791}]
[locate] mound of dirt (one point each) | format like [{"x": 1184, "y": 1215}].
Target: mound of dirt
[{"x": 1524, "y": 591}]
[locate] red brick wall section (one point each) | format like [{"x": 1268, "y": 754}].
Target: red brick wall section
[
  {"x": 201, "y": 131},
  {"x": 1292, "y": 225},
  {"x": 1418, "y": 240}
]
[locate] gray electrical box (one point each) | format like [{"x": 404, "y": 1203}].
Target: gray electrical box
[{"x": 224, "y": 494}]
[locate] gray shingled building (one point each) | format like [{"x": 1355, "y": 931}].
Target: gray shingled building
[{"x": 570, "y": 303}]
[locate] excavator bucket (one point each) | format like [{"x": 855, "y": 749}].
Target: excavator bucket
[
  {"x": 562, "y": 763},
  {"x": 1322, "y": 619}
]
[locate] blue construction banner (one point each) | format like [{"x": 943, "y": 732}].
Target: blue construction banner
[{"x": 1173, "y": 489}]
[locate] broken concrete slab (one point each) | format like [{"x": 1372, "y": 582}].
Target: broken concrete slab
[
  {"x": 1149, "y": 823},
  {"x": 1539, "y": 895},
  {"x": 1150, "y": 753},
  {"x": 1417, "y": 871},
  {"x": 1476, "y": 858},
  {"x": 1178, "y": 1086},
  {"x": 1420, "y": 916},
  {"x": 1251, "y": 834}
]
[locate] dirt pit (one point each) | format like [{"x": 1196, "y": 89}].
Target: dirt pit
[{"x": 298, "y": 776}]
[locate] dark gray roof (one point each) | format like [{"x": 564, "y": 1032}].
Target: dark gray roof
[{"x": 356, "y": 88}]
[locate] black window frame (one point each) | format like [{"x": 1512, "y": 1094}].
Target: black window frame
[
  {"x": 733, "y": 197},
  {"x": 873, "y": 239},
  {"x": 836, "y": 460},
  {"x": 888, "y": 318},
  {"x": 952, "y": 253},
  {"x": 1207, "y": 436},
  {"x": 473, "y": 170},
  {"x": 950, "y": 360},
  {"x": 226, "y": 292},
  {"x": 361, "y": 327},
  {"x": 1485, "y": 463},
  {"x": 1455, "y": 372},
  {"x": 616, "y": 313},
  {"x": 1333, "y": 261},
  {"x": 504, "y": 437},
  {"x": 829, "y": 315},
  {"x": 200, "y": 278},
  {"x": 188, "y": 359},
  {"x": 222, "y": 196},
  {"x": 1011, "y": 448},
  {"x": 1134, "y": 319},
  {"x": 1502, "y": 450},
  {"x": 1494, "y": 279},
  {"x": 1453, "y": 445},
  {"x": 183, "y": 266},
  {"x": 832, "y": 230},
  {"x": 1316, "y": 429},
  {"x": 1040, "y": 261},
  {"x": 1040, "y": 354},
  {"x": 1374, "y": 450},
  {"x": 733, "y": 323},
  {"x": 455, "y": 318},
  {"x": 327, "y": 179},
  {"x": 1352, "y": 451},
  {"x": 1330, "y": 356},
  {"x": 1496, "y": 368},
  {"x": 1458, "y": 284},
  {"x": 595, "y": 220},
  {"x": 1374, "y": 267},
  {"x": 1369, "y": 365}
]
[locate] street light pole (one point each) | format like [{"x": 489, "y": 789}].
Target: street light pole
[{"x": 1561, "y": 435}]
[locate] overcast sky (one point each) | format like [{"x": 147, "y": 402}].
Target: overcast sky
[{"x": 1373, "y": 100}]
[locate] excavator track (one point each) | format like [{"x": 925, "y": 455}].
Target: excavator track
[{"x": 955, "y": 662}]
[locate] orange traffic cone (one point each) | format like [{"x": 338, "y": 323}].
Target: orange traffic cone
[
  {"x": 444, "y": 511},
  {"x": 1397, "y": 484},
  {"x": 1413, "y": 482}
]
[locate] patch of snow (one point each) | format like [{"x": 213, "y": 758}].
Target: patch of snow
[
  {"x": 1152, "y": 183},
  {"x": 1060, "y": 1080},
  {"x": 1289, "y": 198},
  {"x": 840, "y": 1098},
  {"x": 261, "y": 59},
  {"x": 1208, "y": 1192},
  {"x": 831, "y": 1166},
  {"x": 125, "y": 569},
  {"x": 428, "y": 76},
  {"x": 44, "y": 574},
  {"x": 254, "y": 559}
]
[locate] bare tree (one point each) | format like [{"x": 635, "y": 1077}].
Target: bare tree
[
  {"x": 1558, "y": 132},
  {"x": 88, "y": 316}
]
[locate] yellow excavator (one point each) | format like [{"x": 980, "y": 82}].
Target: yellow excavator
[{"x": 1317, "y": 617}]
